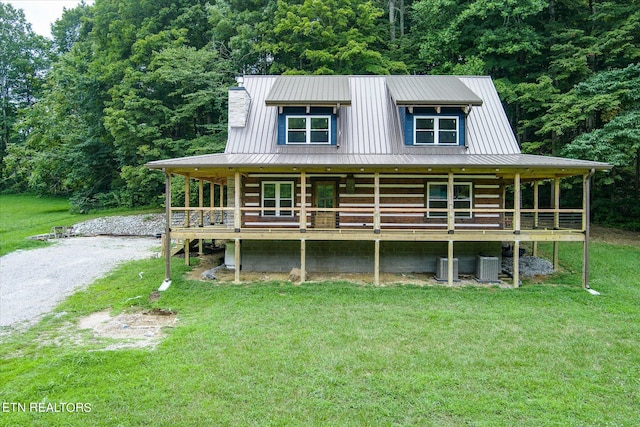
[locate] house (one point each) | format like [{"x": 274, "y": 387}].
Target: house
[{"x": 371, "y": 174}]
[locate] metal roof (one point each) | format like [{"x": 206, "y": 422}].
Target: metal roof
[
  {"x": 401, "y": 161},
  {"x": 431, "y": 90},
  {"x": 370, "y": 132},
  {"x": 309, "y": 90}
]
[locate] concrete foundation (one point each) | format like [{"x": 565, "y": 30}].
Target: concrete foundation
[{"x": 358, "y": 256}]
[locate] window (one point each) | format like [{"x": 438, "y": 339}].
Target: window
[
  {"x": 437, "y": 199},
  {"x": 308, "y": 130},
  {"x": 436, "y": 130},
  {"x": 277, "y": 198}
]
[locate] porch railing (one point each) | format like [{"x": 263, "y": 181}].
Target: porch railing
[{"x": 382, "y": 218}]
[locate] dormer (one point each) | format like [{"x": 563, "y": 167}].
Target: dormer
[
  {"x": 432, "y": 109},
  {"x": 309, "y": 108}
]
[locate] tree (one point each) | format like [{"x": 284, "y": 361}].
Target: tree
[{"x": 24, "y": 57}]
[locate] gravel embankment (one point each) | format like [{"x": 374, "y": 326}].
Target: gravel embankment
[{"x": 132, "y": 225}]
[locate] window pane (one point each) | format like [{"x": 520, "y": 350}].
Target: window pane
[
  {"x": 448, "y": 137},
  {"x": 285, "y": 203},
  {"x": 285, "y": 191},
  {"x": 269, "y": 203},
  {"x": 269, "y": 213},
  {"x": 424, "y": 137},
  {"x": 320, "y": 123},
  {"x": 448, "y": 124},
  {"x": 269, "y": 191},
  {"x": 296, "y": 123},
  {"x": 438, "y": 191},
  {"x": 426, "y": 124},
  {"x": 461, "y": 191},
  {"x": 297, "y": 137},
  {"x": 319, "y": 136}
]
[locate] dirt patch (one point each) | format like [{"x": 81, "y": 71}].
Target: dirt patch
[
  {"x": 130, "y": 330},
  {"x": 615, "y": 236}
]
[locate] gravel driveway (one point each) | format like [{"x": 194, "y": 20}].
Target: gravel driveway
[{"x": 33, "y": 282}]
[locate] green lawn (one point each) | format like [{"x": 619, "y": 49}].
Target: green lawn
[
  {"x": 23, "y": 215},
  {"x": 275, "y": 354}
]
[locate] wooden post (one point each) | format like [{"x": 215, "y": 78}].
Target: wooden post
[
  {"x": 450, "y": 264},
  {"x": 303, "y": 201},
  {"x": 201, "y": 214},
  {"x": 237, "y": 220},
  {"x": 517, "y": 202},
  {"x": 556, "y": 221},
  {"x": 187, "y": 217},
  {"x": 376, "y": 201},
  {"x": 237, "y": 261},
  {"x": 376, "y": 262},
  {"x": 221, "y": 195},
  {"x": 303, "y": 260},
  {"x": 212, "y": 203},
  {"x": 516, "y": 264},
  {"x": 451, "y": 218},
  {"x": 167, "y": 227},
  {"x": 536, "y": 206},
  {"x": 586, "y": 225}
]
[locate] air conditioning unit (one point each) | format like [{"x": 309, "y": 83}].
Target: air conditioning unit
[
  {"x": 487, "y": 268},
  {"x": 442, "y": 269}
]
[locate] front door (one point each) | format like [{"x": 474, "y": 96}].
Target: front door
[{"x": 325, "y": 197}]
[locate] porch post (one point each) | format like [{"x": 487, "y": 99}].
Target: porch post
[
  {"x": 450, "y": 264},
  {"x": 451, "y": 219},
  {"x": 167, "y": 227},
  {"x": 303, "y": 203},
  {"x": 212, "y": 202},
  {"x": 376, "y": 201},
  {"x": 586, "y": 225},
  {"x": 187, "y": 216},
  {"x": 201, "y": 214},
  {"x": 516, "y": 264},
  {"x": 376, "y": 262},
  {"x": 237, "y": 220},
  {"x": 536, "y": 206},
  {"x": 221, "y": 195},
  {"x": 517, "y": 202},
  {"x": 237, "y": 261},
  {"x": 556, "y": 221},
  {"x": 303, "y": 260}
]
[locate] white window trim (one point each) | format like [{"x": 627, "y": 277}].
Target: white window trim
[
  {"x": 277, "y": 207},
  {"x": 457, "y": 214},
  {"x": 436, "y": 130},
  {"x": 308, "y": 129}
]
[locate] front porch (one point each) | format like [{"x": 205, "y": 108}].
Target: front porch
[{"x": 382, "y": 207}]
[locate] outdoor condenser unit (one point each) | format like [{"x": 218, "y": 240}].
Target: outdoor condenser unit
[
  {"x": 487, "y": 268},
  {"x": 442, "y": 269}
]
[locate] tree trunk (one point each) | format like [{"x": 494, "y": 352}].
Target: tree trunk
[{"x": 392, "y": 19}]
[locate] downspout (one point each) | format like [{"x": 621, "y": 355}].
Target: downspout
[{"x": 167, "y": 233}]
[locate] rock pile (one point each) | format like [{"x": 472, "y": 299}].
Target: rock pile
[
  {"x": 529, "y": 266},
  {"x": 130, "y": 225}
]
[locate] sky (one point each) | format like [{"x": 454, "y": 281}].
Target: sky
[{"x": 42, "y": 13}]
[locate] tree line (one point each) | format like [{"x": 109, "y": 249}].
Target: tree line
[{"x": 124, "y": 82}]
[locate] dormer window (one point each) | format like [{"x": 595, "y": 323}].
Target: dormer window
[
  {"x": 308, "y": 130},
  {"x": 438, "y": 130},
  {"x": 428, "y": 126},
  {"x": 301, "y": 126}
]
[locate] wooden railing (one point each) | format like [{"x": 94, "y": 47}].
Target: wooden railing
[{"x": 382, "y": 218}]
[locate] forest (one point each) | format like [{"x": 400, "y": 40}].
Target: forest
[{"x": 125, "y": 82}]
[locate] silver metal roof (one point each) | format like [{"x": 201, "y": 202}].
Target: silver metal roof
[
  {"x": 400, "y": 161},
  {"x": 431, "y": 90},
  {"x": 370, "y": 134},
  {"x": 309, "y": 90}
]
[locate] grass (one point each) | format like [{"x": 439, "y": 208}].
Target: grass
[
  {"x": 23, "y": 215},
  {"x": 273, "y": 354}
]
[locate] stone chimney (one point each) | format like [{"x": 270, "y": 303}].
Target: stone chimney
[{"x": 239, "y": 102}]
